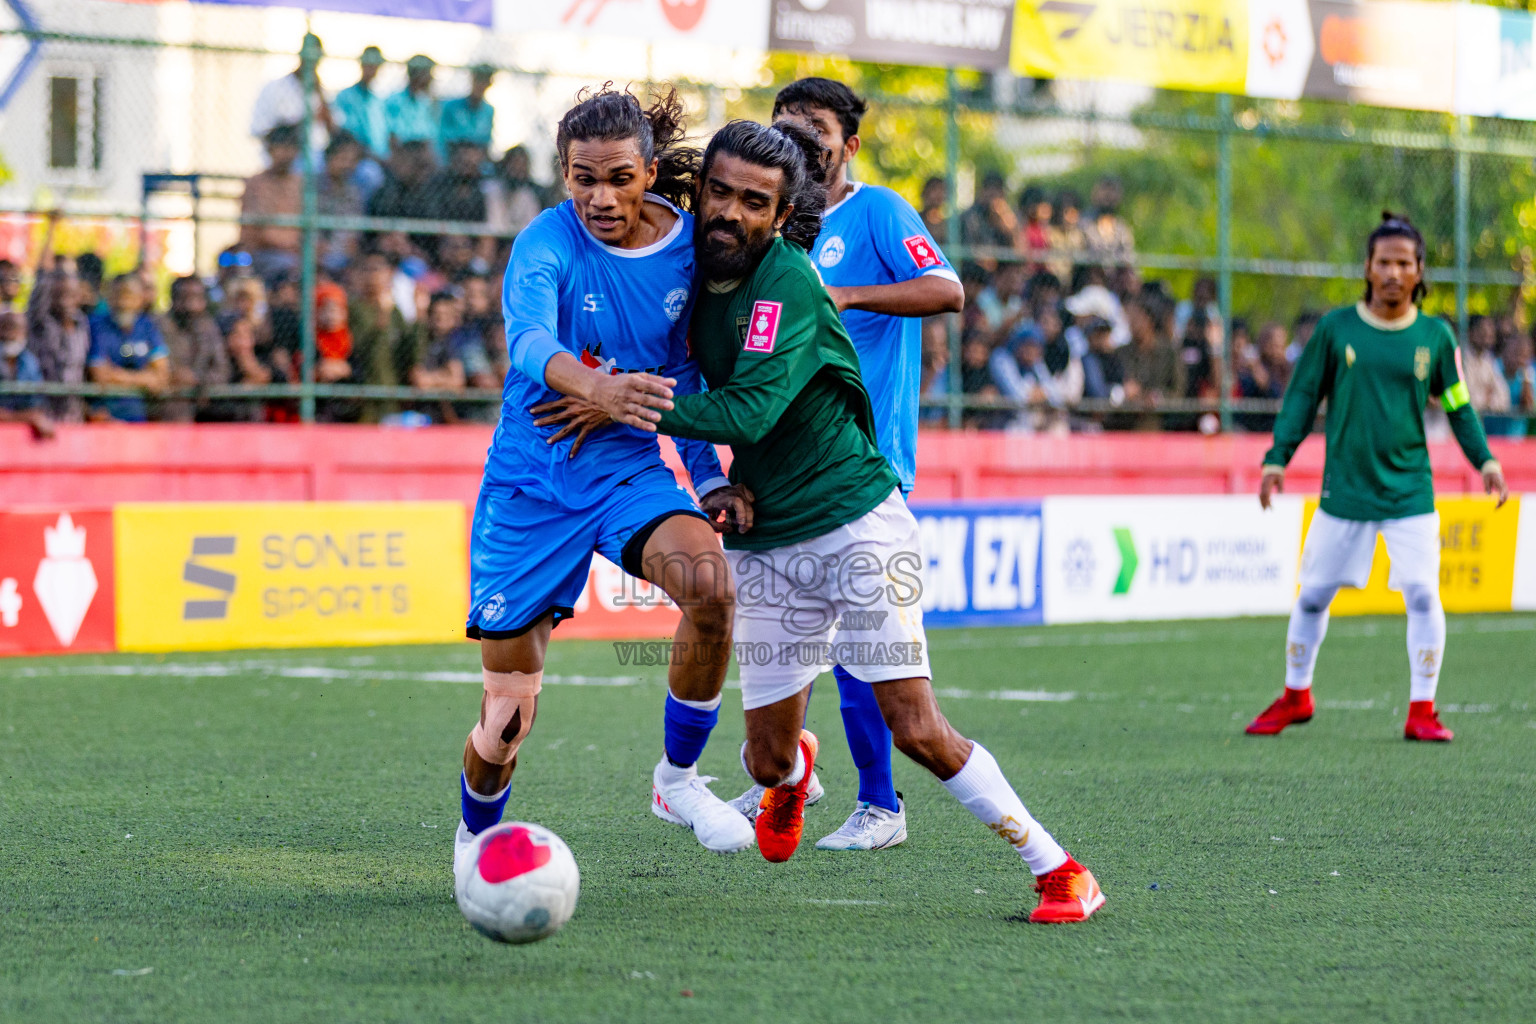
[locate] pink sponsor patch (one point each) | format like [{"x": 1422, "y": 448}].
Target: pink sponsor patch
[
  {"x": 763, "y": 331},
  {"x": 921, "y": 251}
]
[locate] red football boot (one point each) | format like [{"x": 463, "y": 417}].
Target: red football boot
[
  {"x": 1424, "y": 724},
  {"x": 1293, "y": 708},
  {"x": 1070, "y": 893},
  {"x": 781, "y": 814}
]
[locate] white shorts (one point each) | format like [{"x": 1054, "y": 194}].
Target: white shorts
[
  {"x": 1338, "y": 552},
  {"x": 851, "y": 597}
]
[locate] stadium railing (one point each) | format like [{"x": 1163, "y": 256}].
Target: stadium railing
[{"x": 1195, "y": 169}]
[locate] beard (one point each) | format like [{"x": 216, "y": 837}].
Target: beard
[{"x": 728, "y": 261}]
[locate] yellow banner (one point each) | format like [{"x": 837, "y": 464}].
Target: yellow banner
[
  {"x": 1176, "y": 44},
  {"x": 289, "y": 574},
  {"x": 1477, "y": 560}
]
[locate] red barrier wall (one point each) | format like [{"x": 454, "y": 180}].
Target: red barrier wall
[{"x": 99, "y": 465}]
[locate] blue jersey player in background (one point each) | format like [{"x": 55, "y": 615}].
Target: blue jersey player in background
[
  {"x": 884, "y": 271},
  {"x": 597, "y": 297}
]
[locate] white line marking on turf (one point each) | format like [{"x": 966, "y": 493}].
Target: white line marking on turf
[
  {"x": 1048, "y": 696},
  {"x": 219, "y": 670}
]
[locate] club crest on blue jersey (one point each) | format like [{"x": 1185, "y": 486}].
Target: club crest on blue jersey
[
  {"x": 674, "y": 304},
  {"x": 831, "y": 252}
]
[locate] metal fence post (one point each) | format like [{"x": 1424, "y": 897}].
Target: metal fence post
[
  {"x": 1462, "y": 176},
  {"x": 956, "y": 394},
  {"x": 1224, "y": 252},
  {"x": 309, "y": 59}
]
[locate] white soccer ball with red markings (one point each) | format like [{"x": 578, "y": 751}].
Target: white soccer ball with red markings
[{"x": 519, "y": 884}]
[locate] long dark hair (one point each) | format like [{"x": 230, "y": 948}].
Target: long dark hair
[
  {"x": 796, "y": 151},
  {"x": 1394, "y": 226},
  {"x": 609, "y": 115}
]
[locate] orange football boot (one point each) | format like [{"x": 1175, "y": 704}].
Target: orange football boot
[
  {"x": 1070, "y": 893},
  {"x": 1424, "y": 724},
  {"x": 781, "y": 813},
  {"x": 1293, "y": 708}
]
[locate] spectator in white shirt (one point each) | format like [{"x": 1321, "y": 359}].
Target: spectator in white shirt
[{"x": 282, "y": 102}]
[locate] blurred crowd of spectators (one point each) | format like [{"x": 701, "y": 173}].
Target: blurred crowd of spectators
[
  {"x": 392, "y": 308},
  {"x": 1056, "y": 312}
]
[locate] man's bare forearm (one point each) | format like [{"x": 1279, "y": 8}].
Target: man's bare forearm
[{"x": 928, "y": 295}]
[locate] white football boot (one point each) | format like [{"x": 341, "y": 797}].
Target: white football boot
[
  {"x": 748, "y": 802},
  {"x": 869, "y": 827},
  {"x": 689, "y": 802},
  {"x": 463, "y": 846}
]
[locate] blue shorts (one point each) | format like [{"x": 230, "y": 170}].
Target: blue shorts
[{"x": 529, "y": 558}]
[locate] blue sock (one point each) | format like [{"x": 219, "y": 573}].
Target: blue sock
[
  {"x": 686, "y": 727},
  {"x": 481, "y": 812},
  {"x": 869, "y": 741}
]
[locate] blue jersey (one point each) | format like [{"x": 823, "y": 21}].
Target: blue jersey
[
  {"x": 621, "y": 310},
  {"x": 875, "y": 237}
]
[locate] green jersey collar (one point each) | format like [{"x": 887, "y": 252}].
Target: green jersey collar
[{"x": 1401, "y": 323}]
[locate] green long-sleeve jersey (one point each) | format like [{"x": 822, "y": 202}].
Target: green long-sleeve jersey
[
  {"x": 1377, "y": 377},
  {"x": 785, "y": 394}
]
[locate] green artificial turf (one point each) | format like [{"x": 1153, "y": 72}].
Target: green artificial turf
[{"x": 266, "y": 837}]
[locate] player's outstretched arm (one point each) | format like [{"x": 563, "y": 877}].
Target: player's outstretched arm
[
  {"x": 633, "y": 399},
  {"x": 729, "y": 508},
  {"x": 1465, "y": 425},
  {"x": 699, "y": 457},
  {"x": 1271, "y": 483},
  {"x": 1298, "y": 410},
  {"x": 1494, "y": 482},
  {"x": 766, "y": 378},
  {"x": 928, "y": 295}
]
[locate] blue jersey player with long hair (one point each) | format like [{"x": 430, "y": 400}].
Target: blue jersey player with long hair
[
  {"x": 884, "y": 271},
  {"x": 597, "y": 300}
]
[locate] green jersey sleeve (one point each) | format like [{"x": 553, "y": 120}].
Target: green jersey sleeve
[
  {"x": 1446, "y": 381},
  {"x": 778, "y": 358},
  {"x": 1308, "y": 387}
]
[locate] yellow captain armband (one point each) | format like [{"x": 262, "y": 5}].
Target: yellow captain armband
[{"x": 1455, "y": 396}]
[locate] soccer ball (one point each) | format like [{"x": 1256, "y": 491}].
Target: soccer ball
[{"x": 518, "y": 884}]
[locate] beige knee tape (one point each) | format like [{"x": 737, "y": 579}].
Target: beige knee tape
[{"x": 506, "y": 714}]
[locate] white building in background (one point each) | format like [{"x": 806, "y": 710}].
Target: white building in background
[{"x": 91, "y": 118}]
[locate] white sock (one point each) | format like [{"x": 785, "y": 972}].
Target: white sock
[
  {"x": 700, "y": 705},
  {"x": 1426, "y": 640},
  {"x": 798, "y": 771},
  {"x": 483, "y": 799},
  {"x": 981, "y": 787},
  {"x": 669, "y": 774},
  {"x": 1304, "y": 636}
]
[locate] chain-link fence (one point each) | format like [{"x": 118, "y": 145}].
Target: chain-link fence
[{"x": 350, "y": 264}]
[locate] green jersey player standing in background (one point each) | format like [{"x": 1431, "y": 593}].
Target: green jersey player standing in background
[{"x": 1377, "y": 363}]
